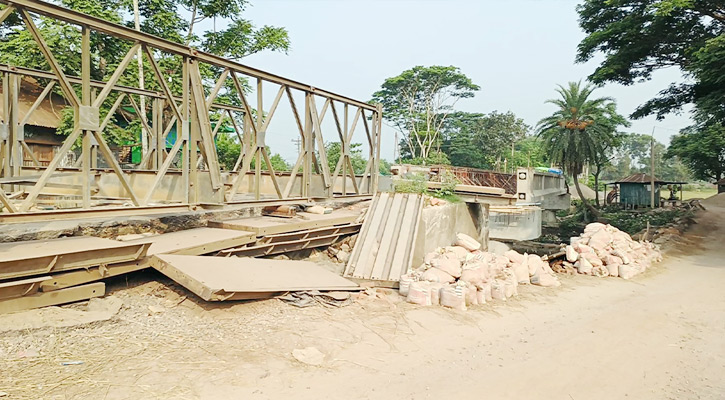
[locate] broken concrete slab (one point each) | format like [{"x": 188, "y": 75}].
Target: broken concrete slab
[{"x": 219, "y": 279}]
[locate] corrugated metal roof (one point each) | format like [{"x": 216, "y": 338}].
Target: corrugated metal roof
[
  {"x": 48, "y": 114},
  {"x": 639, "y": 178}
]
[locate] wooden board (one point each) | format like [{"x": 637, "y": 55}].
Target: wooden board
[
  {"x": 262, "y": 226},
  {"x": 57, "y": 297},
  {"x": 218, "y": 278},
  {"x": 195, "y": 242},
  {"x": 35, "y": 257},
  {"x": 383, "y": 251}
]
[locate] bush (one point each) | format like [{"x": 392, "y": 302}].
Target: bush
[{"x": 414, "y": 183}]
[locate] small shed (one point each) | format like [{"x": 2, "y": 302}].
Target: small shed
[
  {"x": 635, "y": 190},
  {"x": 721, "y": 186}
]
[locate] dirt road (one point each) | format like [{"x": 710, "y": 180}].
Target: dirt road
[{"x": 658, "y": 336}]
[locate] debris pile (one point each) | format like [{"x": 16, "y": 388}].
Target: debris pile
[
  {"x": 603, "y": 250},
  {"x": 462, "y": 275}
]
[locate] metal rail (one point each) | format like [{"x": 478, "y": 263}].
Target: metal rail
[{"x": 194, "y": 148}]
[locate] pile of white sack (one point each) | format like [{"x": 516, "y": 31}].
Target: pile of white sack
[
  {"x": 603, "y": 250},
  {"x": 462, "y": 275}
]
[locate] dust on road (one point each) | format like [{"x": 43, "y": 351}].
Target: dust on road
[{"x": 659, "y": 336}]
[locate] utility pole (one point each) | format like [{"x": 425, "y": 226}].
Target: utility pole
[
  {"x": 298, "y": 142},
  {"x": 396, "y": 150},
  {"x": 139, "y": 57},
  {"x": 652, "y": 168}
]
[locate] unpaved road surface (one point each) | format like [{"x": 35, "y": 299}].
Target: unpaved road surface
[{"x": 658, "y": 336}]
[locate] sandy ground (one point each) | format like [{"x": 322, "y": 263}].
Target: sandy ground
[{"x": 658, "y": 336}]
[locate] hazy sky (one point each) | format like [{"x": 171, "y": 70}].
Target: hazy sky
[{"x": 516, "y": 50}]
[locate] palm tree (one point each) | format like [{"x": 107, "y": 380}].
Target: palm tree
[{"x": 575, "y": 134}]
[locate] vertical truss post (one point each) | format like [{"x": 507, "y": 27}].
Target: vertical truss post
[
  {"x": 257, "y": 136},
  {"x": 307, "y": 143},
  {"x": 5, "y": 127},
  {"x": 16, "y": 132},
  {"x": 377, "y": 128},
  {"x": 156, "y": 133},
  {"x": 343, "y": 146},
  {"x": 184, "y": 123},
  {"x": 86, "y": 101}
]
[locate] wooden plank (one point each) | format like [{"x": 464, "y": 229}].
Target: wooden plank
[
  {"x": 369, "y": 239},
  {"x": 262, "y": 226},
  {"x": 57, "y": 297},
  {"x": 21, "y": 287},
  {"x": 21, "y": 259},
  {"x": 218, "y": 278},
  {"x": 386, "y": 242}
]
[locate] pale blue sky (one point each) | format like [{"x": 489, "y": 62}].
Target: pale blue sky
[{"x": 517, "y": 51}]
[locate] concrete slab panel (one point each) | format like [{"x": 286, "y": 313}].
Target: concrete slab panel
[{"x": 219, "y": 279}]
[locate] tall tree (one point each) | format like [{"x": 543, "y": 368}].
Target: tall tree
[
  {"x": 604, "y": 157},
  {"x": 418, "y": 101},
  {"x": 574, "y": 133},
  {"x": 702, "y": 149},
  {"x": 163, "y": 18},
  {"x": 638, "y": 37},
  {"x": 480, "y": 140}
]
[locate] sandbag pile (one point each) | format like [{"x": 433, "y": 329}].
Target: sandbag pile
[
  {"x": 462, "y": 275},
  {"x": 603, "y": 250}
]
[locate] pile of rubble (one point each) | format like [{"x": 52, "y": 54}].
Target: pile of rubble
[
  {"x": 603, "y": 250},
  {"x": 462, "y": 275}
]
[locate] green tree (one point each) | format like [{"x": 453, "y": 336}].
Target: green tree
[
  {"x": 163, "y": 18},
  {"x": 702, "y": 149},
  {"x": 573, "y": 134},
  {"x": 334, "y": 151},
  {"x": 530, "y": 152},
  {"x": 418, "y": 101},
  {"x": 603, "y": 158},
  {"x": 481, "y": 140},
  {"x": 638, "y": 37}
]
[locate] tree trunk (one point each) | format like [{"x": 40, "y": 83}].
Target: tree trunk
[
  {"x": 596, "y": 185},
  {"x": 595, "y": 213}
]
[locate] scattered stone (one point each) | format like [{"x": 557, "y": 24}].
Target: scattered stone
[
  {"x": 315, "y": 210},
  {"x": 342, "y": 256},
  {"x": 309, "y": 356},
  {"x": 156, "y": 309}
]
